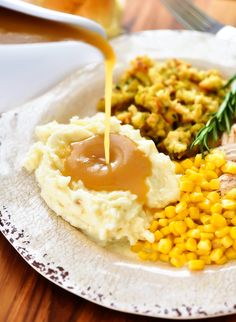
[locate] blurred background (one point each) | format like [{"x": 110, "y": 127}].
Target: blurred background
[{"x": 124, "y": 15}]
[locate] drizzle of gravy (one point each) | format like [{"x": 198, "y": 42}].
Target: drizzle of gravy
[
  {"x": 128, "y": 168},
  {"x": 16, "y": 27}
]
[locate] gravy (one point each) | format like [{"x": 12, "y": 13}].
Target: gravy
[{"x": 127, "y": 170}]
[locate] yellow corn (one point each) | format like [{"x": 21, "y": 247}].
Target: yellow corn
[
  {"x": 158, "y": 235},
  {"x": 230, "y": 253},
  {"x": 216, "y": 208},
  {"x": 196, "y": 197},
  {"x": 233, "y": 232},
  {"x": 231, "y": 194},
  {"x": 191, "y": 244},
  {"x": 229, "y": 204},
  {"x": 204, "y": 247},
  {"x": 229, "y": 167},
  {"x": 227, "y": 241},
  {"x": 216, "y": 254},
  {"x": 186, "y": 185},
  {"x": 201, "y": 228},
  {"x": 153, "y": 226},
  {"x": 170, "y": 211},
  {"x": 196, "y": 264},
  {"x": 194, "y": 212},
  {"x": 218, "y": 220},
  {"x": 214, "y": 184},
  {"x": 164, "y": 246}
]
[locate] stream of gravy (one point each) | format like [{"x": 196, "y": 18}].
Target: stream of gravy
[
  {"x": 109, "y": 162},
  {"x": 20, "y": 28}
]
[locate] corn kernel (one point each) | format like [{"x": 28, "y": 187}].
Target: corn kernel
[
  {"x": 229, "y": 167},
  {"x": 233, "y": 232},
  {"x": 231, "y": 194},
  {"x": 218, "y": 159},
  {"x": 205, "y": 219},
  {"x": 210, "y": 175},
  {"x": 197, "y": 189},
  {"x": 210, "y": 166},
  {"x": 158, "y": 235},
  {"x": 170, "y": 211},
  {"x": 191, "y": 244},
  {"x": 159, "y": 215},
  {"x": 182, "y": 205},
  {"x": 216, "y": 243},
  {"x": 204, "y": 205},
  {"x": 177, "y": 262},
  {"x": 147, "y": 245},
  {"x": 190, "y": 223},
  {"x": 209, "y": 228},
  {"x": 206, "y": 259},
  {"x": 205, "y": 185},
  {"x": 221, "y": 232},
  {"x": 194, "y": 212},
  {"x": 214, "y": 184},
  {"x": 164, "y": 246},
  {"x": 198, "y": 160},
  {"x": 165, "y": 231},
  {"x": 163, "y": 222},
  {"x": 204, "y": 247},
  {"x": 227, "y": 241},
  {"x": 209, "y": 236},
  {"x": 216, "y": 254},
  {"x": 230, "y": 253},
  {"x": 186, "y": 185},
  {"x": 137, "y": 247},
  {"x": 213, "y": 196},
  {"x": 190, "y": 256},
  {"x": 196, "y": 197},
  {"x": 180, "y": 227},
  {"x": 218, "y": 220},
  {"x": 179, "y": 240},
  {"x": 233, "y": 221},
  {"x": 164, "y": 257},
  {"x": 187, "y": 164},
  {"x": 153, "y": 226},
  {"x": 194, "y": 233},
  {"x": 229, "y": 204},
  {"x": 178, "y": 168},
  {"x": 153, "y": 257},
  {"x": 196, "y": 264},
  {"x": 229, "y": 214},
  {"x": 185, "y": 197},
  {"x": 222, "y": 260},
  {"x": 155, "y": 246},
  {"x": 143, "y": 255},
  {"x": 234, "y": 245},
  {"x": 216, "y": 208}
]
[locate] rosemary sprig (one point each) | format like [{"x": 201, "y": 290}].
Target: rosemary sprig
[{"x": 220, "y": 121}]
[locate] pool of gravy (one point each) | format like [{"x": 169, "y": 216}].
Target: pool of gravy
[{"x": 128, "y": 168}]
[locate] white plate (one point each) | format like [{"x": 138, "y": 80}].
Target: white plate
[{"x": 63, "y": 254}]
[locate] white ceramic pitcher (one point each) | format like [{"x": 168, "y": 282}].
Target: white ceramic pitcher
[{"x": 28, "y": 70}]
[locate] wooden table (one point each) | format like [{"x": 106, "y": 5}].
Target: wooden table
[{"x": 25, "y": 296}]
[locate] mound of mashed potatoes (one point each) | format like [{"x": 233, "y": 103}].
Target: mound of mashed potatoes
[{"x": 104, "y": 216}]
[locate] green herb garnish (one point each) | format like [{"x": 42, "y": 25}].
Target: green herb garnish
[{"x": 221, "y": 121}]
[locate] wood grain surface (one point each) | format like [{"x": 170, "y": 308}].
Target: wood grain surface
[{"x": 26, "y": 296}]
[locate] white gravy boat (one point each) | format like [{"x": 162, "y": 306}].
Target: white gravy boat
[{"x": 28, "y": 70}]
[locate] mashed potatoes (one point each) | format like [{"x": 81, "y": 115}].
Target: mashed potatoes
[{"x": 104, "y": 216}]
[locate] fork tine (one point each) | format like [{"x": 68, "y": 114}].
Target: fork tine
[
  {"x": 190, "y": 16},
  {"x": 183, "y": 16}
]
